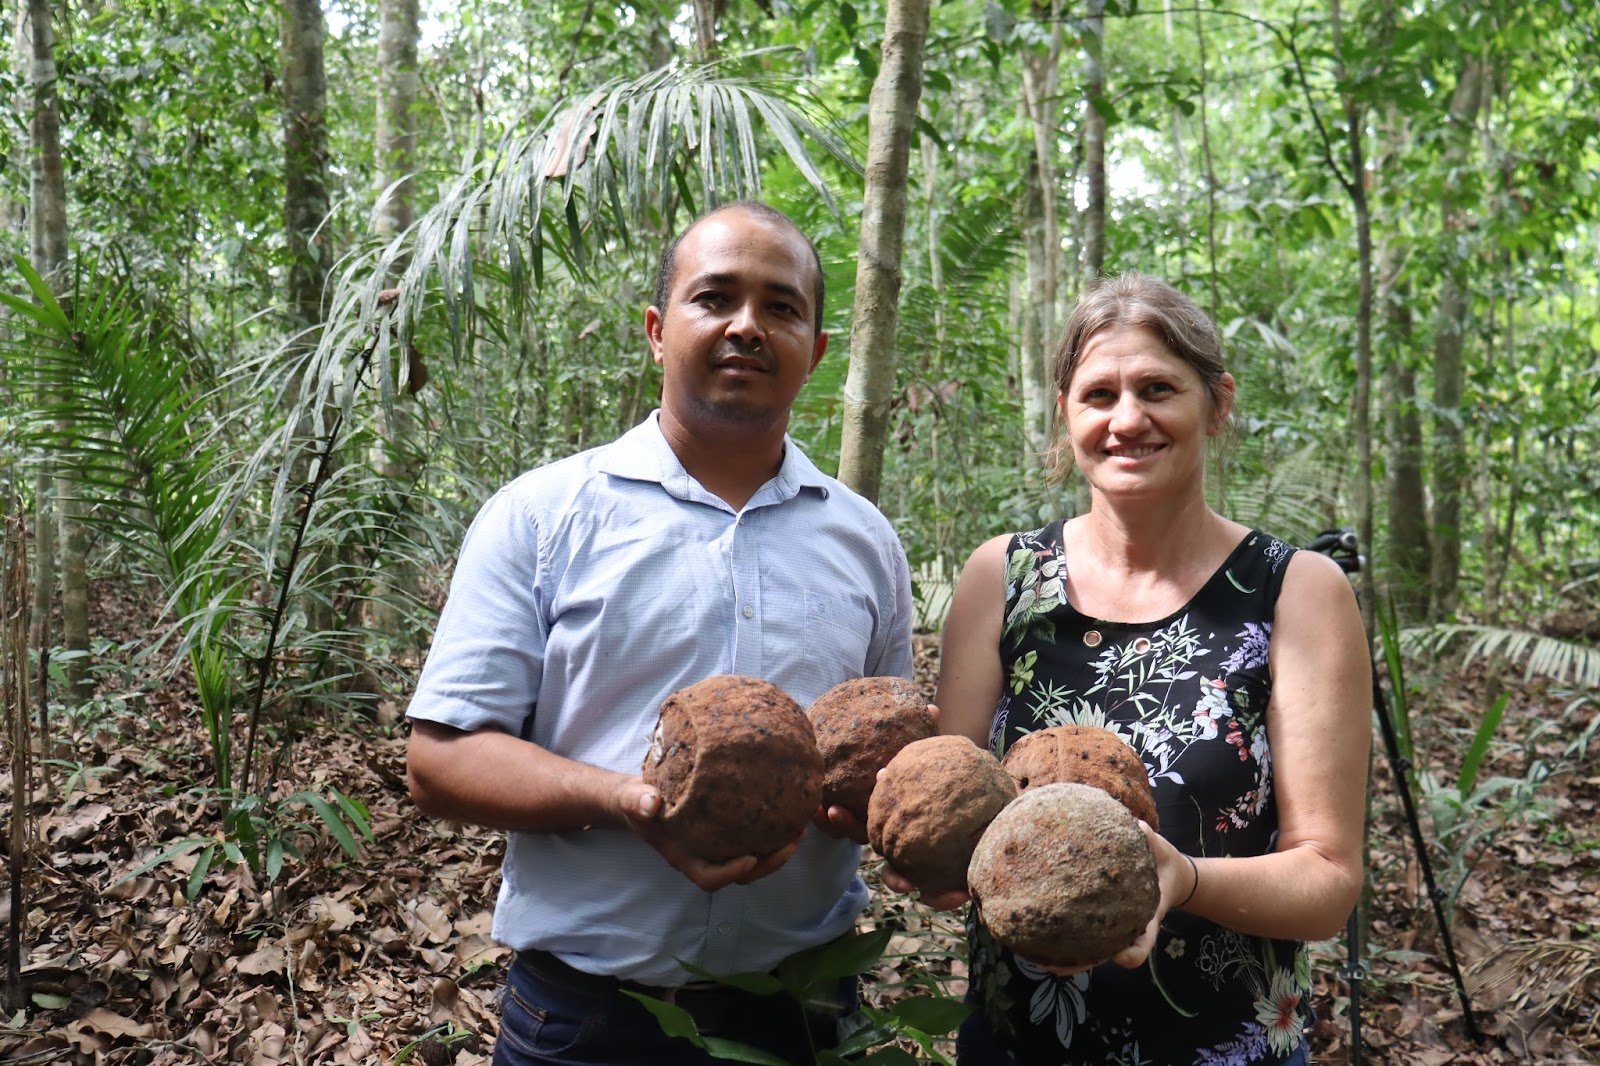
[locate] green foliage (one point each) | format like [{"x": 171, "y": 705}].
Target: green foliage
[
  {"x": 813, "y": 976},
  {"x": 264, "y": 834},
  {"x": 111, "y": 408}
]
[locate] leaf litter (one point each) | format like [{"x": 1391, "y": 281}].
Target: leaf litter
[{"x": 388, "y": 958}]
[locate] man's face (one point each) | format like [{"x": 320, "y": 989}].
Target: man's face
[{"x": 736, "y": 339}]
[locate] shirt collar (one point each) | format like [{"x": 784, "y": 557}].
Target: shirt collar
[{"x": 643, "y": 454}]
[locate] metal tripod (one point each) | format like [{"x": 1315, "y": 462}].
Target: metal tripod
[{"x": 1340, "y": 546}]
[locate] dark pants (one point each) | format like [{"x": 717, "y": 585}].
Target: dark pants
[
  {"x": 556, "y": 1015},
  {"x": 976, "y": 1045}
]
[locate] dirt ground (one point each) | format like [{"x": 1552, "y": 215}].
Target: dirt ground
[{"x": 387, "y": 958}]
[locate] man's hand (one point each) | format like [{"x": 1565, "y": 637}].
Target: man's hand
[
  {"x": 640, "y": 807},
  {"x": 837, "y": 821},
  {"x": 947, "y": 900}
]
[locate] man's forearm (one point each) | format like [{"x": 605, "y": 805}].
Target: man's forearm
[{"x": 497, "y": 780}]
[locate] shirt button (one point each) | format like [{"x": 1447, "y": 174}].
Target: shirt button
[
  {"x": 749, "y": 612},
  {"x": 725, "y": 928}
]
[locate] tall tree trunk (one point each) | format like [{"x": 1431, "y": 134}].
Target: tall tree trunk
[
  {"x": 1449, "y": 364},
  {"x": 1041, "y": 82},
  {"x": 305, "y": 160},
  {"x": 305, "y": 208},
  {"x": 48, "y": 194},
  {"x": 1211, "y": 170},
  {"x": 705, "y": 28},
  {"x": 396, "y": 579},
  {"x": 1094, "y": 139},
  {"x": 869, "y": 386},
  {"x": 1356, "y": 187},
  {"x": 1033, "y": 341},
  {"x": 1406, "y": 569}
]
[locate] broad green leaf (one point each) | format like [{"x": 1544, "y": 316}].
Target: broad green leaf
[
  {"x": 934, "y": 1015},
  {"x": 673, "y": 1019},
  {"x": 330, "y": 817}
]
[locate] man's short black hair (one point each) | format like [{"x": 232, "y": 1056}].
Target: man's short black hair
[{"x": 767, "y": 213}]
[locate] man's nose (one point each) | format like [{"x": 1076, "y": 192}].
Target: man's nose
[{"x": 746, "y": 323}]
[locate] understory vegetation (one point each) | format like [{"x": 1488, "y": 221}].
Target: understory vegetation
[{"x": 287, "y": 290}]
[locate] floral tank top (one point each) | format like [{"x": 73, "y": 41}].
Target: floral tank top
[{"x": 1189, "y": 694}]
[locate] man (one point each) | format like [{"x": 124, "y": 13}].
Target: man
[{"x": 701, "y": 542}]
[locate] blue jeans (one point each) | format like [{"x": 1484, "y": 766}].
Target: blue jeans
[{"x": 552, "y": 1019}]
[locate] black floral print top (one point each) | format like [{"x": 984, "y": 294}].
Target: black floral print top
[{"x": 1189, "y": 694}]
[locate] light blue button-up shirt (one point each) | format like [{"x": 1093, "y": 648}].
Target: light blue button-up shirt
[{"x": 591, "y": 589}]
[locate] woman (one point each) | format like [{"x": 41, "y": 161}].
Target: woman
[{"x": 1234, "y": 665}]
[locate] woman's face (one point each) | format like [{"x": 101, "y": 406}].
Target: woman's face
[{"x": 1138, "y": 417}]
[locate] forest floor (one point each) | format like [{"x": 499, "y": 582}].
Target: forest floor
[{"x": 388, "y": 959}]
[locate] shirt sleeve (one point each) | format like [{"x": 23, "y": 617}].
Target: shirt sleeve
[
  {"x": 893, "y": 641},
  {"x": 487, "y": 659}
]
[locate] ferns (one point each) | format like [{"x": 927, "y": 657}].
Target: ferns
[{"x": 1562, "y": 661}]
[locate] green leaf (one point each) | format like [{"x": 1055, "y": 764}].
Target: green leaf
[
  {"x": 182, "y": 847},
  {"x": 722, "y": 1048},
  {"x": 197, "y": 877},
  {"x": 336, "y": 827},
  {"x": 761, "y": 984},
  {"x": 274, "y": 864},
  {"x": 1473, "y": 762},
  {"x": 803, "y": 974},
  {"x": 1105, "y": 109},
  {"x": 355, "y": 810},
  {"x": 673, "y": 1019},
  {"x": 934, "y": 1015}
]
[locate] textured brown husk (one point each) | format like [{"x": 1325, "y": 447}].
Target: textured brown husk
[
  {"x": 736, "y": 762},
  {"x": 1084, "y": 755},
  {"x": 932, "y": 803},
  {"x": 1063, "y": 876},
  {"x": 861, "y": 724}
]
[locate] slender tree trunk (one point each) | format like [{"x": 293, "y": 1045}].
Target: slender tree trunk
[
  {"x": 1169, "y": 30},
  {"x": 1041, "y": 81},
  {"x": 1033, "y": 341},
  {"x": 396, "y": 580},
  {"x": 1486, "y": 516},
  {"x": 305, "y": 160},
  {"x": 305, "y": 208},
  {"x": 1211, "y": 170},
  {"x": 14, "y": 708},
  {"x": 1357, "y": 190},
  {"x": 705, "y": 28},
  {"x": 869, "y": 387},
  {"x": 1406, "y": 566},
  {"x": 1449, "y": 365},
  {"x": 1094, "y": 139},
  {"x": 48, "y": 192}
]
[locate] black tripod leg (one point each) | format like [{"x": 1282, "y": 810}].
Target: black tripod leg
[
  {"x": 1399, "y": 765},
  {"x": 1353, "y": 976}
]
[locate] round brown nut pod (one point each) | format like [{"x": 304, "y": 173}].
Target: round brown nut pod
[
  {"x": 737, "y": 766},
  {"x": 932, "y": 803},
  {"x": 1084, "y": 755},
  {"x": 861, "y": 724},
  {"x": 1064, "y": 877}
]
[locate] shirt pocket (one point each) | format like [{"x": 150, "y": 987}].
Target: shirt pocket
[{"x": 838, "y": 633}]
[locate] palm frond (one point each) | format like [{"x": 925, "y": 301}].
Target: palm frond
[
  {"x": 1290, "y": 495},
  {"x": 1563, "y": 661}
]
